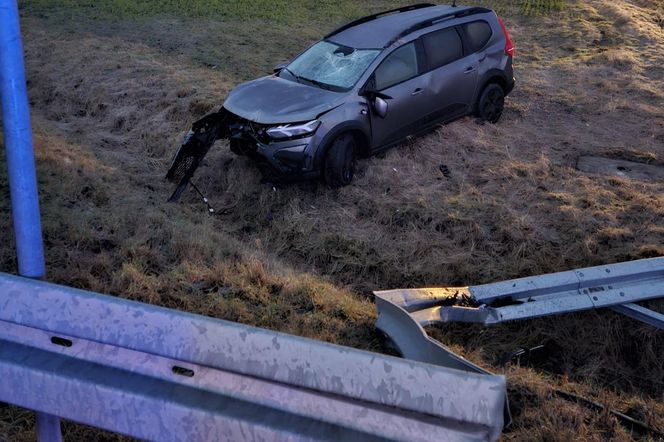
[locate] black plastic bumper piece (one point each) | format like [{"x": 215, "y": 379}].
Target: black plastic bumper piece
[{"x": 196, "y": 145}]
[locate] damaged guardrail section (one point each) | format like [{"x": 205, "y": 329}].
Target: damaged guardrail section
[
  {"x": 615, "y": 286},
  {"x": 159, "y": 374},
  {"x": 403, "y": 313}
]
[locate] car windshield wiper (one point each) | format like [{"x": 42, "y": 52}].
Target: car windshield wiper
[
  {"x": 297, "y": 77},
  {"x": 318, "y": 83}
]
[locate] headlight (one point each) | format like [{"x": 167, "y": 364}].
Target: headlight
[{"x": 293, "y": 130}]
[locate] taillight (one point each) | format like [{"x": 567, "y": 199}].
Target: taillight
[{"x": 509, "y": 45}]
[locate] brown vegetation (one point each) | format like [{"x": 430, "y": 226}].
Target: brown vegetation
[{"x": 111, "y": 100}]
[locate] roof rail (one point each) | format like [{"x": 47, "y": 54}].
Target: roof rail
[
  {"x": 368, "y": 18},
  {"x": 431, "y": 21}
]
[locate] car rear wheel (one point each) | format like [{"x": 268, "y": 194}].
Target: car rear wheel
[
  {"x": 340, "y": 160},
  {"x": 491, "y": 103}
]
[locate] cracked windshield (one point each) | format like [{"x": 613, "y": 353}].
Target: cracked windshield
[{"x": 331, "y": 66}]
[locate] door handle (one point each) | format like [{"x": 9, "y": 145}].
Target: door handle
[
  {"x": 469, "y": 69},
  {"x": 417, "y": 91}
]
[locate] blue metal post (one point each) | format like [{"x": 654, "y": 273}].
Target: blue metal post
[
  {"x": 48, "y": 428},
  {"x": 18, "y": 145},
  {"x": 21, "y": 168}
]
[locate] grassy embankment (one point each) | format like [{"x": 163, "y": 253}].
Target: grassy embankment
[{"x": 114, "y": 85}]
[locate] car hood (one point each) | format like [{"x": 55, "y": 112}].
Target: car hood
[{"x": 274, "y": 100}]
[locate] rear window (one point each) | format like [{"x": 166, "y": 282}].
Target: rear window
[
  {"x": 442, "y": 47},
  {"x": 477, "y": 34}
]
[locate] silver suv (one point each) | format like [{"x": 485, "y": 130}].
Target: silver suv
[{"x": 362, "y": 89}]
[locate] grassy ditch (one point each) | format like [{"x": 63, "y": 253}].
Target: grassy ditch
[{"x": 114, "y": 86}]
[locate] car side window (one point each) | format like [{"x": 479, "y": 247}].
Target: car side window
[
  {"x": 478, "y": 34},
  {"x": 442, "y": 47},
  {"x": 400, "y": 65}
]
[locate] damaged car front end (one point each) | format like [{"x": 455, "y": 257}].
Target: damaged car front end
[
  {"x": 284, "y": 121},
  {"x": 281, "y": 151},
  {"x": 278, "y": 150}
]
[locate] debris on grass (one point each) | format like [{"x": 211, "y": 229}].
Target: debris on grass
[{"x": 620, "y": 168}]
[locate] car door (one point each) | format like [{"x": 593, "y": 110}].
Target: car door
[
  {"x": 453, "y": 76},
  {"x": 399, "y": 77}
]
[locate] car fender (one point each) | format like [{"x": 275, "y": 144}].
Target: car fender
[
  {"x": 346, "y": 118},
  {"x": 492, "y": 76}
]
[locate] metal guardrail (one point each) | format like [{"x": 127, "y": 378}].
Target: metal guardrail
[
  {"x": 404, "y": 313},
  {"x": 642, "y": 314},
  {"x": 160, "y": 374},
  {"x": 616, "y": 286}
]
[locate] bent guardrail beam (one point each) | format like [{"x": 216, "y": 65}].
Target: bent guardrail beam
[
  {"x": 160, "y": 374},
  {"x": 408, "y": 335},
  {"x": 642, "y": 314},
  {"x": 615, "y": 286},
  {"x": 403, "y": 313}
]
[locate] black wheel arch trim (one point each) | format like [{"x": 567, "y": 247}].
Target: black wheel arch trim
[
  {"x": 493, "y": 76},
  {"x": 340, "y": 129}
]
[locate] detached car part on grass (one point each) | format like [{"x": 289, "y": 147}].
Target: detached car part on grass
[
  {"x": 403, "y": 314},
  {"x": 362, "y": 89}
]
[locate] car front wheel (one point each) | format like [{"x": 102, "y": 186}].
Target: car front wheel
[
  {"x": 491, "y": 103},
  {"x": 340, "y": 159}
]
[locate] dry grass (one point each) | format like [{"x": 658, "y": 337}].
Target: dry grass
[{"x": 112, "y": 98}]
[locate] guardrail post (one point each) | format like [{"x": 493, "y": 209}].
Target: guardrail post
[
  {"x": 48, "y": 428},
  {"x": 21, "y": 168}
]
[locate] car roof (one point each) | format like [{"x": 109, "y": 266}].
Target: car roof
[{"x": 381, "y": 31}]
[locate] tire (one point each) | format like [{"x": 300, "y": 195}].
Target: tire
[
  {"x": 491, "y": 103},
  {"x": 340, "y": 159}
]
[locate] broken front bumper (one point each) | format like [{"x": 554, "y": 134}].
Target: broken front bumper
[
  {"x": 288, "y": 158},
  {"x": 195, "y": 146},
  {"x": 278, "y": 159}
]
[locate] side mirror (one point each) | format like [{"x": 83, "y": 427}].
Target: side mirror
[
  {"x": 380, "y": 107},
  {"x": 378, "y": 101},
  {"x": 278, "y": 68}
]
